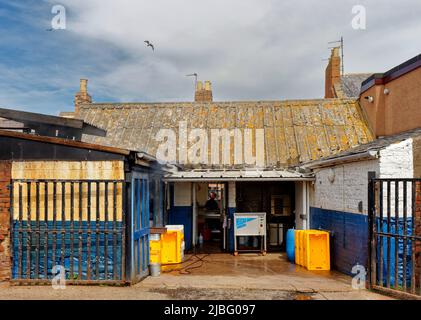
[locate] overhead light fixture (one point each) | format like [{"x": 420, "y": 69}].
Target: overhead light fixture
[
  {"x": 386, "y": 91},
  {"x": 369, "y": 98}
]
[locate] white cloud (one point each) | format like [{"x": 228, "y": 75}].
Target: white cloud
[{"x": 249, "y": 49}]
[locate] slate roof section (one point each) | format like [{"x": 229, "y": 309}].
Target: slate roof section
[
  {"x": 350, "y": 85},
  {"x": 295, "y": 131}
]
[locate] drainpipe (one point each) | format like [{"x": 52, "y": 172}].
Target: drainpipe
[
  {"x": 304, "y": 204},
  {"x": 307, "y": 204}
]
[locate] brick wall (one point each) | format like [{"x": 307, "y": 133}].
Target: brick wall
[
  {"x": 5, "y": 175},
  {"x": 348, "y": 188}
]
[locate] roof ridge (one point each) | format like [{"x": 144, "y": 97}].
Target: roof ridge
[
  {"x": 357, "y": 73},
  {"x": 166, "y": 104}
]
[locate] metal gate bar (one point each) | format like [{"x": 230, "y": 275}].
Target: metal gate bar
[
  {"x": 67, "y": 223},
  {"x": 393, "y": 238}
]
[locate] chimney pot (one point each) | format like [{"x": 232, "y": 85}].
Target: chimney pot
[
  {"x": 208, "y": 85},
  {"x": 199, "y": 85},
  {"x": 203, "y": 94},
  {"x": 83, "y": 85}
]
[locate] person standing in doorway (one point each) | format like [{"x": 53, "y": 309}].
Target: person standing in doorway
[{"x": 211, "y": 204}]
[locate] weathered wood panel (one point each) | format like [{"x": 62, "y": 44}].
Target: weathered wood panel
[{"x": 73, "y": 171}]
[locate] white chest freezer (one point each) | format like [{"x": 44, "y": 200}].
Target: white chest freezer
[{"x": 250, "y": 224}]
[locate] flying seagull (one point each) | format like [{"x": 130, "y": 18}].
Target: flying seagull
[{"x": 148, "y": 44}]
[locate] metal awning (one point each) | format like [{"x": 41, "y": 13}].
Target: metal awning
[{"x": 237, "y": 175}]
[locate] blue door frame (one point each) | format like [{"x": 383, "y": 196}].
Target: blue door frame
[{"x": 139, "y": 244}]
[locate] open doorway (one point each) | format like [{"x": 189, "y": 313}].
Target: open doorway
[
  {"x": 211, "y": 217},
  {"x": 276, "y": 199}
]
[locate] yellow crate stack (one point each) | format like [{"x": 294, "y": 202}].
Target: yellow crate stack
[
  {"x": 312, "y": 249},
  {"x": 167, "y": 248},
  {"x": 172, "y": 245}
]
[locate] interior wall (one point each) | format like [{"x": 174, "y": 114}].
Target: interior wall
[
  {"x": 256, "y": 196},
  {"x": 181, "y": 212},
  {"x": 182, "y": 194},
  {"x": 201, "y": 193}
]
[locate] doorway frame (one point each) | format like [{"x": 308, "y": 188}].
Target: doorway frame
[{"x": 224, "y": 212}]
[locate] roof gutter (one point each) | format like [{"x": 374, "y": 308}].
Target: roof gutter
[
  {"x": 367, "y": 155},
  {"x": 146, "y": 157}
]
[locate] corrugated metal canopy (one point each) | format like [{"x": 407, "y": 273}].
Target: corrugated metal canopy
[{"x": 238, "y": 175}]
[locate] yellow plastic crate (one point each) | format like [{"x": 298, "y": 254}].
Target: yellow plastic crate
[
  {"x": 312, "y": 249},
  {"x": 318, "y": 250},
  {"x": 172, "y": 245},
  {"x": 300, "y": 247},
  {"x": 155, "y": 248},
  {"x": 297, "y": 238}
]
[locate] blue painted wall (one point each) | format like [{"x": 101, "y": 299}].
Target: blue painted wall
[
  {"x": 349, "y": 236},
  {"x": 231, "y": 212},
  {"x": 184, "y": 216}
]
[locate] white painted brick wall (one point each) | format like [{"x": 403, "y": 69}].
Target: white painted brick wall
[
  {"x": 396, "y": 161},
  {"x": 350, "y": 184},
  {"x": 348, "y": 188}
]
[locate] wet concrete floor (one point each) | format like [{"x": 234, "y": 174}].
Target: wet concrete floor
[
  {"x": 214, "y": 277},
  {"x": 272, "y": 274}
]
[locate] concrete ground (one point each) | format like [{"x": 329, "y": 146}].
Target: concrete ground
[{"x": 213, "y": 277}]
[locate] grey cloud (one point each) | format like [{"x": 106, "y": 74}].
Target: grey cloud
[{"x": 249, "y": 49}]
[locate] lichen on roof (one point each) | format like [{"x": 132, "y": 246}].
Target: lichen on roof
[{"x": 294, "y": 131}]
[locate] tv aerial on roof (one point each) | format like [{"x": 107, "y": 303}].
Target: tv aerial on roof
[
  {"x": 195, "y": 78},
  {"x": 192, "y": 75}
]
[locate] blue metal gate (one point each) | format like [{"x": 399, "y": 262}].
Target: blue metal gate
[
  {"x": 394, "y": 236},
  {"x": 139, "y": 199},
  {"x": 78, "y": 225}
]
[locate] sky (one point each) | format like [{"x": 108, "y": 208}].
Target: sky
[{"x": 248, "y": 49}]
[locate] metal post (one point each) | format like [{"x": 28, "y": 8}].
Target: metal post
[
  {"x": 194, "y": 237},
  {"x": 371, "y": 210}
]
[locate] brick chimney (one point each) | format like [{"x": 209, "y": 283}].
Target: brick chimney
[
  {"x": 82, "y": 96},
  {"x": 333, "y": 73},
  {"x": 203, "y": 94}
]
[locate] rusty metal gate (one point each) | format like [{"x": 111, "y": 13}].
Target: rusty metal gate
[
  {"x": 394, "y": 236},
  {"x": 78, "y": 225}
]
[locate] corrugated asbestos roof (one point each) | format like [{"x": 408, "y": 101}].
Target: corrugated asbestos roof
[
  {"x": 374, "y": 145},
  {"x": 295, "y": 131},
  {"x": 350, "y": 85}
]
